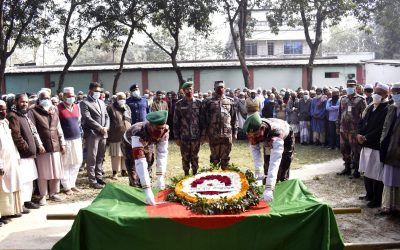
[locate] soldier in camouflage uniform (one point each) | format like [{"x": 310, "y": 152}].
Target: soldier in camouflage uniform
[
  {"x": 350, "y": 111},
  {"x": 221, "y": 125},
  {"x": 188, "y": 128}
]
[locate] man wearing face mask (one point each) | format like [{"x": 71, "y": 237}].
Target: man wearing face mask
[
  {"x": 390, "y": 156},
  {"x": 368, "y": 93},
  {"x": 139, "y": 105},
  {"x": 49, "y": 164},
  {"x": 350, "y": 111},
  {"x": 253, "y": 103},
  {"x": 318, "y": 108},
  {"x": 278, "y": 140},
  {"x": 369, "y": 134},
  {"x": 188, "y": 128},
  {"x": 305, "y": 118},
  {"x": 221, "y": 126},
  {"x": 120, "y": 117},
  {"x": 138, "y": 146},
  {"x": 95, "y": 124},
  {"x": 332, "y": 106},
  {"x": 70, "y": 117}
]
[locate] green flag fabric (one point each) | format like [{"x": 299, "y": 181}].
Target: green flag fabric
[{"x": 119, "y": 219}]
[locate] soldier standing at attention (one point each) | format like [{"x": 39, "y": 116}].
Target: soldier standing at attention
[
  {"x": 188, "y": 128},
  {"x": 350, "y": 111},
  {"x": 220, "y": 125}
]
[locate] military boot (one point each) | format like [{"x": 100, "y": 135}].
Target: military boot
[{"x": 346, "y": 170}]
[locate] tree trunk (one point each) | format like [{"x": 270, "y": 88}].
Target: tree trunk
[
  {"x": 62, "y": 76},
  {"x": 2, "y": 76},
  {"x": 121, "y": 62},
  {"x": 310, "y": 66},
  {"x": 177, "y": 70}
]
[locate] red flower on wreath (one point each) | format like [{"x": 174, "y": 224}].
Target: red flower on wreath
[{"x": 223, "y": 179}]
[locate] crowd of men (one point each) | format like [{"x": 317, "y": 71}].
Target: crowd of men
[{"x": 45, "y": 139}]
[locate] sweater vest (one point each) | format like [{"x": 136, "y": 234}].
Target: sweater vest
[{"x": 69, "y": 122}]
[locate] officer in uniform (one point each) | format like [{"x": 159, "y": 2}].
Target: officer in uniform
[
  {"x": 138, "y": 105},
  {"x": 278, "y": 149},
  {"x": 221, "y": 125},
  {"x": 139, "y": 141},
  {"x": 188, "y": 128},
  {"x": 350, "y": 112}
]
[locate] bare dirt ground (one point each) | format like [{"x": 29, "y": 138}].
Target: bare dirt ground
[{"x": 33, "y": 231}]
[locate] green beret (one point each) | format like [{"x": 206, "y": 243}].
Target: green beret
[
  {"x": 158, "y": 117},
  {"x": 187, "y": 85},
  {"x": 252, "y": 122}
]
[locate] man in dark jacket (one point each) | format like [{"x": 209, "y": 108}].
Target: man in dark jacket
[
  {"x": 28, "y": 143},
  {"x": 139, "y": 105},
  {"x": 369, "y": 134}
]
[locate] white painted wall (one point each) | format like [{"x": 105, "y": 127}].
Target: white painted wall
[
  {"x": 381, "y": 73},
  {"x": 319, "y": 79},
  {"x": 125, "y": 80},
  {"x": 266, "y": 78},
  {"x": 233, "y": 78}
]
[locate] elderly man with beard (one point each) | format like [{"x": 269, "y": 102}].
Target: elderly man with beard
[
  {"x": 10, "y": 180},
  {"x": 120, "y": 117},
  {"x": 49, "y": 164},
  {"x": 253, "y": 103},
  {"x": 221, "y": 126},
  {"x": 369, "y": 134},
  {"x": 29, "y": 145},
  {"x": 278, "y": 139},
  {"x": 138, "y": 147}
]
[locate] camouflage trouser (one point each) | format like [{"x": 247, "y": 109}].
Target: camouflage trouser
[
  {"x": 350, "y": 149},
  {"x": 134, "y": 180},
  {"x": 220, "y": 153},
  {"x": 190, "y": 155},
  {"x": 287, "y": 157}
]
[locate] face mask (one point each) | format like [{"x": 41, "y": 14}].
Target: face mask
[
  {"x": 45, "y": 104},
  {"x": 121, "y": 102},
  {"x": 157, "y": 133},
  {"x": 253, "y": 96},
  {"x": 306, "y": 97},
  {"x": 376, "y": 99},
  {"x": 335, "y": 97},
  {"x": 3, "y": 114},
  {"x": 189, "y": 94},
  {"x": 350, "y": 90},
  {"x": 96, "y": 95},
  {"x": 146, "y": 95},
  {"x": 136, "y": 93},
  {"x": 319, "y": 96},
  {"x": 396, "y": 99},
  {"x": 70, "y": 100}
]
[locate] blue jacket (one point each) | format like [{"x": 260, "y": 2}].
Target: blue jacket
[{"x": 139, "y": 109}]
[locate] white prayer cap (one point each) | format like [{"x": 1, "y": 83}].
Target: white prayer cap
[
  {"x": 2, "y": 103},
  {"x": 46, "y": 89},
  {"x": 253, "y": 91},
  {"x": 69, "y": 90},
  {"x": 241, "y": 93},
  {"x": 368, "y": 86},
  {"x": 382, "y": 86},
  {"x": 10, "y": 95},
  {"x": 42, "y": 91},
  {"x": 396, "y": 85},
  {"x": 122, "y": 94},
  {"x": 335, "y": 90}
]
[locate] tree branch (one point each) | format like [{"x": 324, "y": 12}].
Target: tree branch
[{"x": 155, "y": 42}]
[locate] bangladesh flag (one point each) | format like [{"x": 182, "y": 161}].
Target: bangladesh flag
[{"x": 119, "y": 219}]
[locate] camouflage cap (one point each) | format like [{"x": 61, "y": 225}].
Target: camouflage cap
[
  {"x": 219, "y": 83},
  {"x": 187, "y": 85},
  {"x": 252, "y": 123},
  {"x": 158, "y": 117}
]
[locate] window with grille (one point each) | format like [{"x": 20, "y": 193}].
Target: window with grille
[
  {"x": 251, "y": 48},
  {"x": 331, "y": 74},
  {"x": 270, "y": 48}
]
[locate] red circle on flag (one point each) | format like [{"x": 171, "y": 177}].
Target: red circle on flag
[{"x": 181, "y": 214}]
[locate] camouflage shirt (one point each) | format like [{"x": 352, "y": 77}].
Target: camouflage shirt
[
  {"x": 220, "y": 119},
  {"x": 188, "y": 119},
  {"x": 350, "y": 111}
]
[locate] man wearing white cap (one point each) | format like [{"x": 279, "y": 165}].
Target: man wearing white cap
[
  {"x": 70, "y": 117},
  {"x": 368, "y": 89},
  {"x": 369, "y": 134}
]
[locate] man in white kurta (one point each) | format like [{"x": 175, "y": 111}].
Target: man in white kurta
[
  {"x": 72, "y": 158},
  {"x": 10, "y": 184}
]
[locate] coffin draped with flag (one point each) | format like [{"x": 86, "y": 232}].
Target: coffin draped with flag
[{"x": 118, "y": 219}]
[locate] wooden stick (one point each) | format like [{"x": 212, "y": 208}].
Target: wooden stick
[
  {"x": 347, "y": 210},
  {"x": 372, "y": 245}
]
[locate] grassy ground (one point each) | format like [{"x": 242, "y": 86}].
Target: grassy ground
[{"x": 240, "y": 156}]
